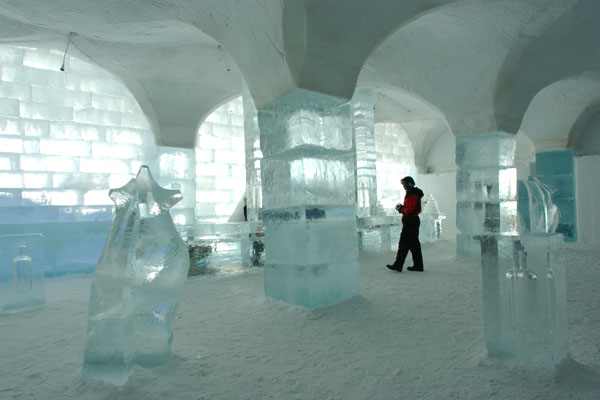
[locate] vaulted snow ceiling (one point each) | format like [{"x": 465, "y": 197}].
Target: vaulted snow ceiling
[{"x": 437, "y": 66}]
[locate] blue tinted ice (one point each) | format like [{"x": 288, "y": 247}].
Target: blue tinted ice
[{"x": 137, "y": 283}]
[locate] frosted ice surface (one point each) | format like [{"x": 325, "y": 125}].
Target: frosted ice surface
[
  {"x": 494, "y": 149},
  {"x": 137, "y": 283},
  {"x": 308, "y": 178},
  {"x": 21, "y": 272}
]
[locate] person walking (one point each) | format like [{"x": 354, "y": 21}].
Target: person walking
[{"x": 409, "y": 238}]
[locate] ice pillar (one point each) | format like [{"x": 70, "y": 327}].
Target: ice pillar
[
  {"x": 253, "y": 157},
  {"x": 309, "y": 209},
  {"x": 363, "y": 126},
  {"x": 486, "y": 188}
]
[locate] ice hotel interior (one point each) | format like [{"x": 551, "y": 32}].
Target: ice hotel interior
[{"x": 197, "y": 199}]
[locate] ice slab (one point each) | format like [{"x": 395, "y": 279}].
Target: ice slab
[
  {"x": 21, "y": 272},
  {"x": 137, "y": 283}
]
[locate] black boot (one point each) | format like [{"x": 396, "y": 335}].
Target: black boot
[
  {"x": 394, "y": 268},
  {"x": 420, "y": 269}
]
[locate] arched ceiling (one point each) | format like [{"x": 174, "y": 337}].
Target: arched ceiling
[
  {"x": 452, "y": 55},
  {"x": 438, "y": 65},
  {"x": 554, "y": 110},
  {"x": 585, "y": 134},
  {"x": 568, "y": 47}
]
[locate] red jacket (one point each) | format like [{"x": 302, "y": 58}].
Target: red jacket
[{"x": 412, "y": 203}]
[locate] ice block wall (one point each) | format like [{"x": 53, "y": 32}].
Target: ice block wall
[
  {"x": 177, "y": 170},
  {"x": 395, "y": 159},
  {"x": 253, "y": 158},
  {"x": 65, "y": 139},
  {"x": 557, "y": 170},
  {"x": 363, "y": 126},
  {"x": 21, "y": 272},
  {"x": 309, "y": 208},
  {"x": 525, "y": 303},
  {"x": 220, "y": 169},
  {"x": 486, "y": 188}
]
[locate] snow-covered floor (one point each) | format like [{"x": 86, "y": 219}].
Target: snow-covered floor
[{"x": 407, "y": 336}]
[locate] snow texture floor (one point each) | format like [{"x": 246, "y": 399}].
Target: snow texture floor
[{"x": 407, "y": 336}]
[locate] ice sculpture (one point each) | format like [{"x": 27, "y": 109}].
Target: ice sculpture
[
  {"x": 524, "y": 286},
  {"x": 21, "y": 272},
  {"x": 309, "y": 199},
  {"x": 137, "y": 283},
  {"x": 431, "y": 221},
  {"x": 486, "y": 188},
  {"x": 536, "y": 208},
  {"x": 363, "y": 126}
]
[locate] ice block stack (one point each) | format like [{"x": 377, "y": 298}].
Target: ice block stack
[
  {"x": 309, "y": 209},
  {"x": 253, "y": 158},
  {"x": 525, "y": 304},
  {"x": 363, "y": 126},
  {"x": 21, "y": 272},
  {"x": 486, "y": 188}
]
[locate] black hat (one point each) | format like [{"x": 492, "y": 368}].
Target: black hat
[{"x": 408, "y": 180}]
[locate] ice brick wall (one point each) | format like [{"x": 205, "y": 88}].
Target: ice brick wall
[
  {"x": 395, "y": 160},
  {"x": 220, "y": 162},
  {"x": 65, "y": 137}
]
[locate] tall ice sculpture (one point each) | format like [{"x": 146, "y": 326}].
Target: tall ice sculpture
[
  {"x": 309, "y": 199},
  {"x": 137, "y": 283},
  {"x": 524, "y": 285}
]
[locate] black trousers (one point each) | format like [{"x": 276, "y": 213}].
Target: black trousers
[{"x": 409, "y": 240}]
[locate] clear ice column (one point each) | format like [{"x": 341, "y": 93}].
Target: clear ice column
[
  {"x": 253, "y": 158},
  {"x": 486, "y": 188},
  {"x": 309, "y": 208},
  {"x": 363, "y": 125}
]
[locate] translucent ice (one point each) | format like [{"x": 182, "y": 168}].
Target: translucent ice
[
  {"x": 21, "y": 272},
  {"x": 486, "y": 185},
  {"x": 309, "y": 199},
  {"x": 364, "y": 138},
  {"x": 536, "y": 207},
  {"x": 525, "y": 313},
  {"x": 137, "y": 283}
]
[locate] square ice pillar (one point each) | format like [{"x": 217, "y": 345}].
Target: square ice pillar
[
  {"x": 363, "y": 127},
  {"x": 309, "y": 200},
  {"x": 524, "y": 294},
  {"x": 486, "y": 187},
  {"x": 21, "y": 272}
]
